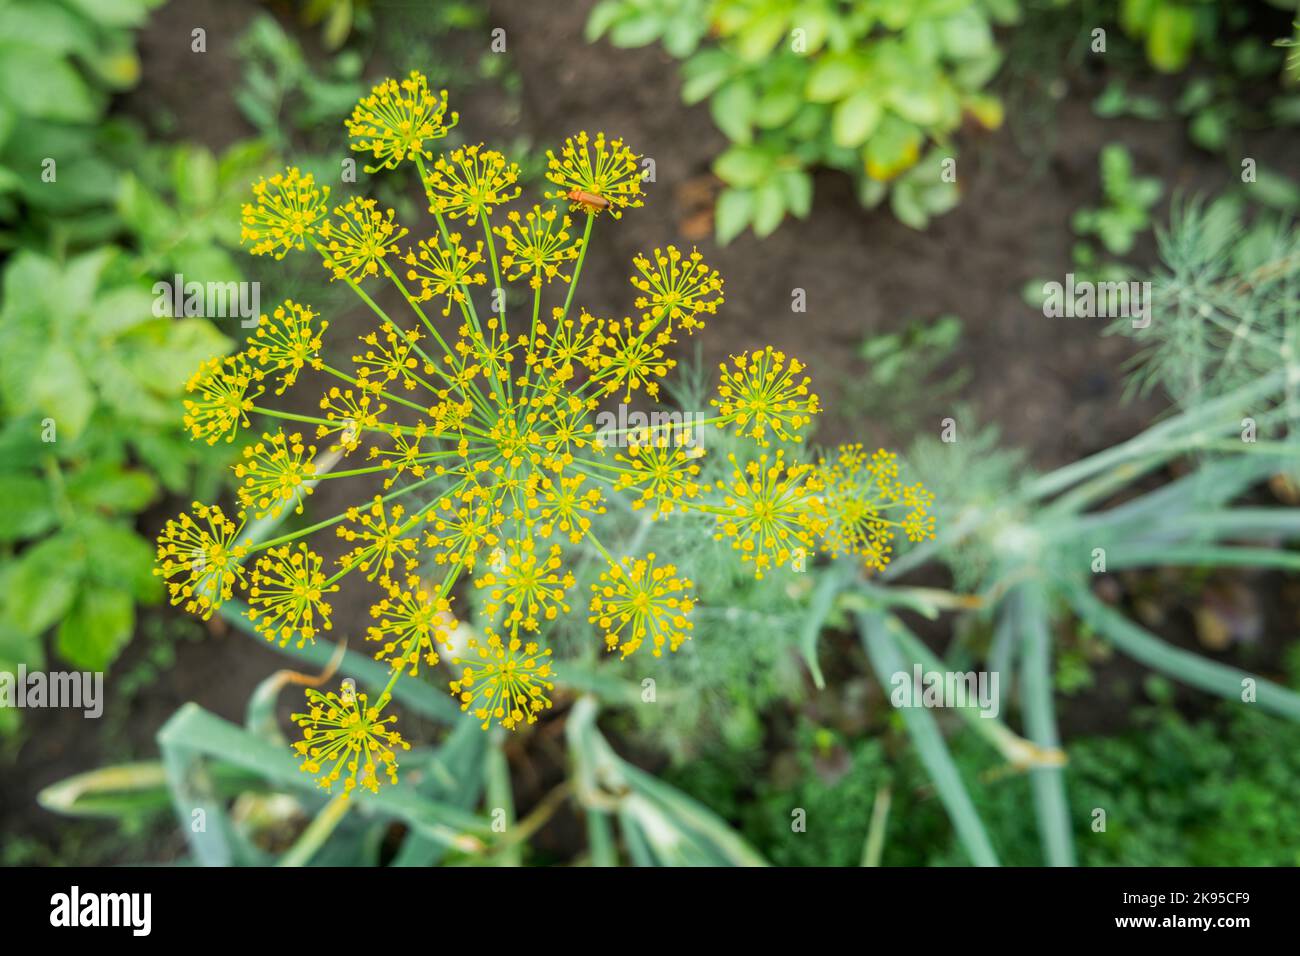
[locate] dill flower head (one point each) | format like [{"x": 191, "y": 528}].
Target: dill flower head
[
  {"x": 765, "y": 391},
  {"x": 445, "y": 269},
  {"x": 506, "y": 681},
  {"x": 349, "y": 415},
  {"x": 627, "y": 358},
  {"x": 225, "y": 389},
  {"x": 663, "y": 469},
  {"x": 867, "y": 506},
  {"x": 595, "y": 174},
  {"x": 384, "y": 537},
  {"x": 471, "y": 182},
  {"x": 275, "y": 472},
  {"x": 409, "y": 623},
  {"x": 389, "y": 356},
  {"x": 636, "y": 600},
  {"x": 283, "y": 214},
  {"x": 347, "y": 739},
  {"x": 526, "y": 586},
  {"x": 771, "y": 509},
  {"x": 679, "y": 289},
  {"x": 286, "y": 340},
  {"x": 486, "y": 426},
  {"x": 199, "y": 558},
  {"x": 536, "y": 247},
  {"x": 396, "y": 119},
  {"x": 918, "y": 523},
  {"x": 358, "y": 239},
  {"x": 460, "y": 526},
  {"x": 287, "y": 595},
  {"x": 566, "y": 506}
]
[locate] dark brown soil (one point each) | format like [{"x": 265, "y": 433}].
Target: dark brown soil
[{"x": 1052, "y": 385}]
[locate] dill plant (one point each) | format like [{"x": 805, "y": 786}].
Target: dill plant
[{"x": 481, "y": 425}]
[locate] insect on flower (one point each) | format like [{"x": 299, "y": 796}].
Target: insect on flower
[{"x": 585, "y": 198}]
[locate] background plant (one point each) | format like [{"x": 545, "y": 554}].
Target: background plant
[
  {"x": 94, "y": 214},
  {"x": 876, "y": 90},
  {"x": 1123, "y": 216}
]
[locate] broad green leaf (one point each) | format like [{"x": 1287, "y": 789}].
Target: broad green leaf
[
  {"x": 907, "y": 205},
  {"x": 194, "y": 176},
  {"x": 115, "y": 65},
  {"x": 38, "y": 85},
  {"x": 144, "y": 211},
  {"x": 1135, "y": 15},
  {"x": 798, "y": 188},
  {"x": 26, "y": 509},
  {"x": 1172, "y": 32},
  {"x": 833, "y": 78},
  {"x": 47, "y": 25},
  {"x": 43, "y": 583},
  {"x": 966, "y": 34},
  {"x": 893, "y": 148},
  {"x": 777, "y": 107},
  {"x": 855, "y": 119},
  {"x": 733, "y": 213},
  {"x": 639, "y": 29},
  {"x": 119, "y": 310},
  {"x": 603, "y": 16},
  {"x": 703, "y": 73},
  {"x": 743, "y": 166},
  {"x": 115, "y": 13},
  {"x": 96, "y": 628},
  {"x": 732, "y": 108},
  {"x": 59, "y": 389},
  {"x": 104, "y": 486},
  {"x": 769, "y": 207},
  {"x": 761, "y": 33},
  {"x": 922, "y": 104},
  {"x": 119, "y": 559},
  {"x": 163, "y": 356}
]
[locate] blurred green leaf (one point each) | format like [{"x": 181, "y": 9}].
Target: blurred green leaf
[{"x": 96, "y": 627}]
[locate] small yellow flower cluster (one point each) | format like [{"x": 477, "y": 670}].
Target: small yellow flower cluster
[
  {"x": 395, "y": 121},
  {"x": 492, "y": 416},
  {"x": 863, "y": 499},
  {"x": 506, "y": 681},
  {"x": 663, "y": 468},
  {"x": 358, "y": 238},
  {"x": 764, "y": 391},
  {"x": 471, "y": 182},
  {"x": 679, "y": 288},
  {"x": 410, "y": 622},
  {"x": 772, "y": 510},
  {"x": 286, "y": 595},
  {"x": 536, "y": 247},
  {"x": 445, "y": 269},
  {"x": 226, "y": 389},
  {"x": 345, "y": 739},
  {"x": 199, "y": 555},
  {"x": 285, "y": 213},
  {"x": 287, "y": 343},
  {"x": 275, "y": 472},
  {"x": 595, "y": 175},
  {"x": 636, "y": 599}
]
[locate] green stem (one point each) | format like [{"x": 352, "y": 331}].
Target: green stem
[{"x": 317, "y": 832}]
